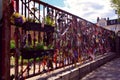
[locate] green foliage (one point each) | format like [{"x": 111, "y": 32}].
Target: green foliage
[
  {"x": 50, "y": 46},
  {"x": 12, "y": 44},
  {"x": 27, "y": 47},
  {"x": 116, "y": 5},
  {"x": 39, "y": 46},
  {"x": 49, "y": 21},
  {"x": 45, "y": 47}
]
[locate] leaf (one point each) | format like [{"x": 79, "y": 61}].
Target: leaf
[
  {"x": 12, "y": 44},
  {"x": 39, "y": 46},
  {"x": 49, "y": 21},
  {"x": 116, "y": 5}
]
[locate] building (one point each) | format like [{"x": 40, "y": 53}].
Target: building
[{"x": 113, "y": 25}]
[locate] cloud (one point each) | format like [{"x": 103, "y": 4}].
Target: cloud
[
  {"x": 90, "y": 9},
  {"x": 87, "y": 9}
]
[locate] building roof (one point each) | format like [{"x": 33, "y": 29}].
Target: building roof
[{"x": 113, "y": 22}]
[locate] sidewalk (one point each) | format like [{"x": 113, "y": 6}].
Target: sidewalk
[{"x": 109, "y": 71}]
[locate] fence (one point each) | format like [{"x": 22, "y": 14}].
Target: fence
[{"x": 45, "y": 38}]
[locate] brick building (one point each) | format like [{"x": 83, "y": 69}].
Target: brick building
[{"x": 113, "y": 24}]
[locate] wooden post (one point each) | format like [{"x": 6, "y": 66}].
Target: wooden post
[
  {"x": 5, "y": 72},
  {"x": 118, "y": 43},
  {"x": 0, "y": 39},
  {"x": 0, "y": 47}
]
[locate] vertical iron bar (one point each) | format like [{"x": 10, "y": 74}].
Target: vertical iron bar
[
  {"x": 22, "y": 6},
  {"x": 22, "y": 66},
  {"x": 28, "y": 10},
  {"x": 25, "y": 9},
  {"x": 28, "y": 69},
  {"x": 17, "y": 5},
  {"x": 17, "y": 45},
  {"x": 16, "y": 54},
  {"x": 39, "y": 36},
  {"x": 23, "y": 33},
  {"x": 40, "y": 25},
  {"x": 34, "y": 42},
  {"x": 39, "y": 12},
  {"x": 34, "y": 53},
  {"x": 39, "y": 64}
]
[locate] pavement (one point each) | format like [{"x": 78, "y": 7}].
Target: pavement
[{"x": 109, "y": 71}]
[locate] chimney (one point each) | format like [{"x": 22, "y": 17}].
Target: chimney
[
  {"x": 98, "y": 19},
  {"x": 107, "y": 18}
]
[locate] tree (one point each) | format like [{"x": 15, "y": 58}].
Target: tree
[{"x": 116, "y": 5}]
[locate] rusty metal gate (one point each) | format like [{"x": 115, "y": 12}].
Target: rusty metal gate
[{"x": 45, "y": 38}]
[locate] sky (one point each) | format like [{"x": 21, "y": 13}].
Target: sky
[{"x": 87, "y": 9}]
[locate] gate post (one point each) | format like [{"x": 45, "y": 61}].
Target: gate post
[
  {"x": 5, "y": 53},
  {"x": 118, "y": 44},
  {"x": 0, "y": 38}
]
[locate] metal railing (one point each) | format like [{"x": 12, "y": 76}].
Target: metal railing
[{"x": 52, "y": 38}]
